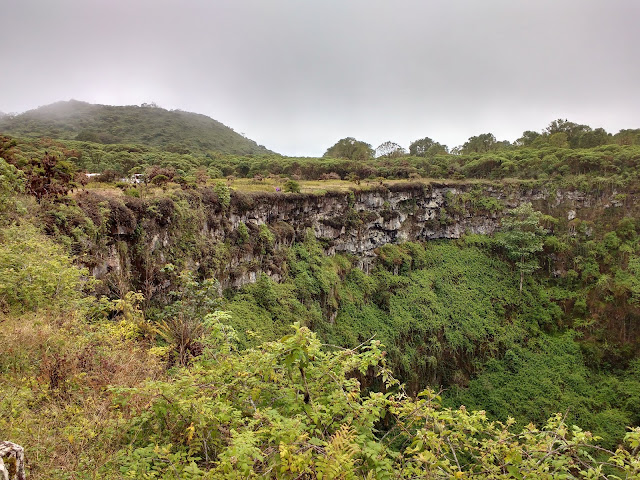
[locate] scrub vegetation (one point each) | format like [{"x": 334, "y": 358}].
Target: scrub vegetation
[{"x": 515, "y": 355}]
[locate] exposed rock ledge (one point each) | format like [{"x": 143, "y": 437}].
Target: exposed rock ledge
[{"x": 355, "y": 222}]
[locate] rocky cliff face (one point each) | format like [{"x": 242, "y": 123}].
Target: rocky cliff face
[
  {"x": 359, "y": 222},
  {"x": 236, "y": 242}
]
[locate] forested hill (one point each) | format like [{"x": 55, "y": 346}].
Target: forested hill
[{"x": 172, "y": 130}]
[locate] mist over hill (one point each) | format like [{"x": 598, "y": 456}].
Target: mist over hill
[{"x": 171, "y": 130}]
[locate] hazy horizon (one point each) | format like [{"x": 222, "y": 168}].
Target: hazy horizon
[{"x": 296, "y": 77}]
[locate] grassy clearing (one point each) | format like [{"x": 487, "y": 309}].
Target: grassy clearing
[{"x": 272, "y": 184}]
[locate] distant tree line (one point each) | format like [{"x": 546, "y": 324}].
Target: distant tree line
[
  {"x": 564, "y": 152},
  {"x": 560, "y": 133}
]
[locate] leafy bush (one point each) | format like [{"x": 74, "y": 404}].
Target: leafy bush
[
  {"x": 224, "y": 194},
  {"x": 35, "y": 272},
  {"x": 160, "y": 180},
  {"x": 11, "y": 184},
  {"x": 295, "y": 408},
  {"x": 266, "y": 238},
  {"x": 181, "y": 323},
  {"x": 132, "y": 192},
  {"x": 292, "y": 186},
  {"x": 243, "y": 233}
]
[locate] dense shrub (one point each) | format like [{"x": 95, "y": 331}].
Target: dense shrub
[{"x": 35, "y": 272}]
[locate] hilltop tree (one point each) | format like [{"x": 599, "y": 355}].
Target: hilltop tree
[
  {"x": 390, "y": 149},
  {"x": 593, "y": 138},
  {"x": 559, "y": 140},
  {"x": 426, "y": 147},
  {"x": 527, "y": 139},
  {"x": 521, "y": 237},
  {"x": 573, "y": 131},
  {"x": 481, "y": 144},
  {"x": 351, "y": 149},
  {"x": 565, "y": 126},
  {"x": 627, "y": 137}
]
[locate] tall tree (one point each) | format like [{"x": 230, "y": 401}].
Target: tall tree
[
  {"x": 594, "y": 138},
  {"x": 573, "y": 130},
  {"x": 351, "y": 149},
  {"x": 627, "y": 137},
  {"x": 481, "y": 144},
  {"x": 522, "y": 236},
  {"x": 426, "y": 147},
  {"x": 390, "y": 149},
  {"x": 527, "y": 138}
]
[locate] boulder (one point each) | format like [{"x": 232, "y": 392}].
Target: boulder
[{"x": 11, "y": 461}]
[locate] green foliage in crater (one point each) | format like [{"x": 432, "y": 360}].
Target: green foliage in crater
[{"x": 37, "y": 273}]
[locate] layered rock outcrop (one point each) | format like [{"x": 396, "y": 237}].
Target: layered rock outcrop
[{"x": 236, "y": 242}]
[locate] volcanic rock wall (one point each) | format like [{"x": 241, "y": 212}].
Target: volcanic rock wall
[{"x": 236, "y": 242}]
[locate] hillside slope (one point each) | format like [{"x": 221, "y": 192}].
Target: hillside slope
[{"x": 176, "y": 131}]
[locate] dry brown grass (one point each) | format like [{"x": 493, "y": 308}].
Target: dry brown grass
[
  {"x": 54, "y": 390},
  {"x": 270, "y": 184}
]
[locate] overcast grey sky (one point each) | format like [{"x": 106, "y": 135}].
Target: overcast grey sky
[{"x": 297, "y": 75}]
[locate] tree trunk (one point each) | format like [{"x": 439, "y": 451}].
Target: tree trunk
[
  {"x": 521, "y": 280},
  {"x": 521, "y": 272}
]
